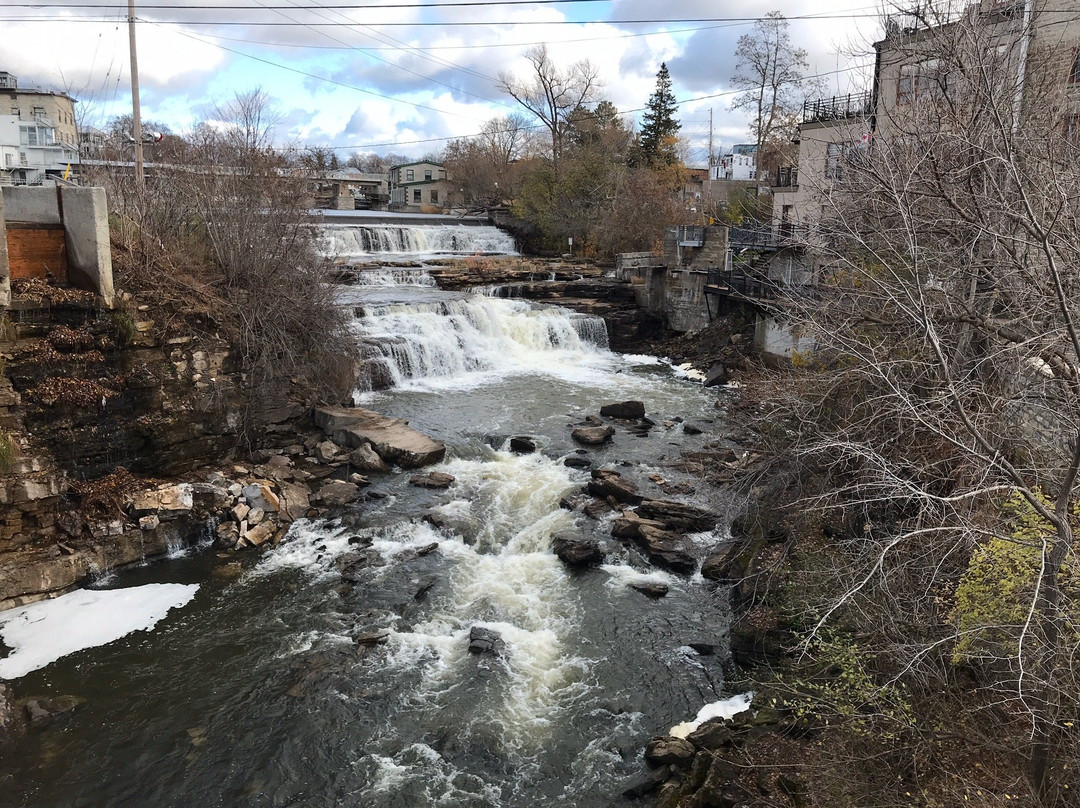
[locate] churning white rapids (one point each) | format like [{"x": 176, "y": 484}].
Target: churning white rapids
[
  {"x": 338, "y": 669},
  {"x": 389, "y": 241}
]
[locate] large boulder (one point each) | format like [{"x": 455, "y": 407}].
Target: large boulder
[
  {"x": 625, "y": 410},
  {"x": 678, "y": 516},
  {"x": 593, "y": 435},
  {"x": 486, "y": 641},
  {"x": 608, "y": 483},
  {"x": 668, "y": 550},
  {"x": 392, "y": 439},
  {"x": 295, "y": 500},
  {"x": 717, "y": 375},
  {"x": 629, "y": 525},
  {"x": 260, "y": 495},
  {"x": 364, "y": 458},
  {"x": 577, "y": 552},
  {"x": 168, "y": 502},
  {"x": 666, "y": 749},
  {"x": 338, "y": 492},
  {"x": 520, "y": 444}
]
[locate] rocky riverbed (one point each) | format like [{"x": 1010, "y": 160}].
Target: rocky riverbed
[{"x": 627, "y": 475}]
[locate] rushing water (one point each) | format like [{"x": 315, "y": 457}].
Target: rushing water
[
  {"x": 255, "y": 693},
  {"x": 356, "y": 242}
]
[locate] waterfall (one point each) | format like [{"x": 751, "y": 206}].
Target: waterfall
[
  {"x": 392, "y": 276},
  {"x": 454, "y": 338},
  {"x": 428, "y": 240}
]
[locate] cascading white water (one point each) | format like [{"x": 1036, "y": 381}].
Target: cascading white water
[
  {"x": 392, "y": 276},
  {"x": 382, "y": 240},
  {"x": 454, "y": 338}
]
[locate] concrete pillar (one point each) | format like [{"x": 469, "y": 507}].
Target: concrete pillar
[
  {"x": 5, "y": 272},
  {"x": 86, "y": 225}
]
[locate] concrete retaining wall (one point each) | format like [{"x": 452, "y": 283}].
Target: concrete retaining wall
[
  {"x": 84, "y": 215},
  {"x": 5, "y": 274},
  {"x": 672, "y": 285}
]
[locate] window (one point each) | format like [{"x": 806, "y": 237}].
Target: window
[
  {"x": 14, "y": 110},
  {"x": 427, "y": 175},
  {"x": 409, "y": 175},
  {"x": 1071, "y": 126},
  {"x": 9, "y": 160},
  {"x": 921, "y": 81},
  {"x": 415, "y": 194},
  {"x": 39, "y": 110},
  {"x": 434, "y": 196}
]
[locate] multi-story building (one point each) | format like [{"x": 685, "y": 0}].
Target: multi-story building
[
  {"x": 739, "y": 164},
  {"x": 38, "y": 137},
  {"x": 419, "y": 185}
]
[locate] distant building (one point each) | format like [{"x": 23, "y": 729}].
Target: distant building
[
  {"x": 38, "y": 138},
  {"x": 739, "y": 164},
  {"x": 348, "y": 190},
  {"x": 419, "y": 185}
]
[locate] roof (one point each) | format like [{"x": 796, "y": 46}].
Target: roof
[{"x": 417, "y": 163}]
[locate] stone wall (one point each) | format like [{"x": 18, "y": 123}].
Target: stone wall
[{"x": 672, "y": 285}]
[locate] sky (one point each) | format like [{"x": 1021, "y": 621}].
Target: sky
[{"x": 405, "y": 76}]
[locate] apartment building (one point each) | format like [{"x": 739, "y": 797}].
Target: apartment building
[
  {"x": 1030, "y": 49},
  {"x": 419, "y": 185},
  {"x": 38, "y": 138}
]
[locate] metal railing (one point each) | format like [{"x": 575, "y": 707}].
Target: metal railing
[
  {"x": 766, "y": 236},
  {"x": 853, "y": 105}
]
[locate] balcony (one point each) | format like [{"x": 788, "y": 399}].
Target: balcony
[
  {"x": 767, "y": 237},
  {"x": 786, "y": 177},
  {"x": 838, "y": 108}
]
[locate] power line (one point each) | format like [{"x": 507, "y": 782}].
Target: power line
[
  {"x": 449, "y": 23},
  {"x": 725, "y": 93},
  {"x": 346, "y": 6},
  {"x": 318, "y": 77}
]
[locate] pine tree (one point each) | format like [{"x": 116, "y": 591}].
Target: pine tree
[{"x": 660, "y": 129}]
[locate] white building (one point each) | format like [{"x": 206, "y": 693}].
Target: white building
[
  {"x": 30, "y": 152},
  {"x": 738, "y": 164}
]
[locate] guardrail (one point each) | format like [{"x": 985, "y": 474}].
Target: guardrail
[{"x": 853, "y": 105}]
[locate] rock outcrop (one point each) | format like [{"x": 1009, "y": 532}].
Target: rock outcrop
[{"x": 392, "y": 439}]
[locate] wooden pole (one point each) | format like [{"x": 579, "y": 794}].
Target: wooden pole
[{"x": 136, "y": 114}]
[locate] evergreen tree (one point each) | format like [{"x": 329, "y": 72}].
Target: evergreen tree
[{"x": 660, "y": 129}]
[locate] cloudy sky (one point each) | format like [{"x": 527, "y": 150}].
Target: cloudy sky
[{"x": 405, "y": 75}]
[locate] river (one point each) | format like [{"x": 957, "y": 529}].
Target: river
[{"x": 255, "y": 692}]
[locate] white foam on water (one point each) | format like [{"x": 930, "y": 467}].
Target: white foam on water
[
  {"x": 688, "y": 371},
  {"x": 310, "y": 546},
  {"x": 413, "y": 240},
  {"x": 458, "y": 343},
  {"x": 392, "y": 276},
  {"x": 622, "y": 576},
  {"x": 43, "y": 632},
  {"x": 507, "y": 580},
  {"x": 725, "y": 708},
  {"x": 423, "y": 774}
]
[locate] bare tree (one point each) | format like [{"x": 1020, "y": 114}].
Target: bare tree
[
  {"x": 551, "y": 93},
  {"x": 223, "y": 241},
  {"x": 944, "y": 405},
  {"x": 771, "y": 76}
]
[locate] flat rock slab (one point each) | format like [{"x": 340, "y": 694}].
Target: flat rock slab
[
  {"x": 678, "y": 516},
  {"x": 609, "y": 483},
  {"x": 392, "y": 438}
]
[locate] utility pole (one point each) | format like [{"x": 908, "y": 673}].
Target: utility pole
[
  {"x": 136, "y": 114},
  {"x": 710, "y": 143}
]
